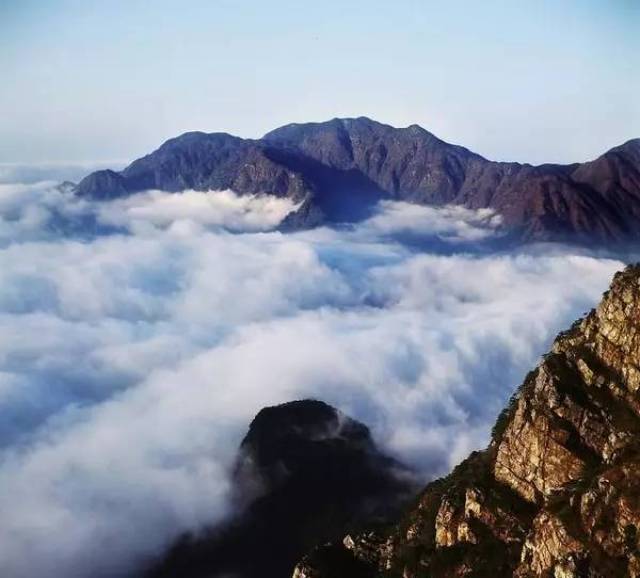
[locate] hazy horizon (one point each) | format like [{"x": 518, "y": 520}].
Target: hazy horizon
[{"x": 538, "y": 82}]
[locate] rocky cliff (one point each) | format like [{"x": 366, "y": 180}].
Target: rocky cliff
[
  {"x": 338, "y": 169},
  {"x": 557, "y": 492},
  {"x": 305, "y": 474}
]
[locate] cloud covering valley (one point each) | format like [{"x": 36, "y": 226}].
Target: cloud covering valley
[{"x": 139, "y": 337}]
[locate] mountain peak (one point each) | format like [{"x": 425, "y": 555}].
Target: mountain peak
[
  {"x": 349, "y": 124},
  {"x": 199, "y": 136},
  {"x": 282, "y": 433},
  {"x": 335, "y": 123},
  {"x": 631, "y": 148},
  {"x": 306, "y": 473}
]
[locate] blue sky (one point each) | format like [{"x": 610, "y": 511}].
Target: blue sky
[{"x": 514, "y": 80}]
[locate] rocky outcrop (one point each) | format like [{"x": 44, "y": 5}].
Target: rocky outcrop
[
  {"x": 557, "y": 492},
  {"x": 305, "y": 474},
  {"x": 340, "y": 168}
]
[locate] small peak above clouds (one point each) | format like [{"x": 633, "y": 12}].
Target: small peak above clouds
[{"x": 305, "y": 473}]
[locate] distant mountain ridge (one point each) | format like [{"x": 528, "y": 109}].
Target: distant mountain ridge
[{"x": 338, "y": 169}]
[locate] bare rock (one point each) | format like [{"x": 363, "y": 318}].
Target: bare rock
[{"x": 557, "y": 492}]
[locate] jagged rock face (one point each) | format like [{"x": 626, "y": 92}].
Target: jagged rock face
[
  {"x": 557, "y": 493},
  {"x": 305, "y": 474},
  {"x": 340, "y": 168},
  {"x": 535, "y": 456}
]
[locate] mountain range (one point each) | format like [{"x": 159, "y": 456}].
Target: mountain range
[{"x": 337, "y": 170}]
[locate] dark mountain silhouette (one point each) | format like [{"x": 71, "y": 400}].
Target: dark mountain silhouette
[
  {"x": 338, "y": 169},
  {"x": 305, "y": 474}
]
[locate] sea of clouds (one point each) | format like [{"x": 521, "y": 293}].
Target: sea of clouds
[{"x": 139, "y": 337}]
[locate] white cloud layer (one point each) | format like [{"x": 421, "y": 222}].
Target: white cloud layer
[
  {"x": 131, "y": 363},
  {"x": 222, "y": 209}
]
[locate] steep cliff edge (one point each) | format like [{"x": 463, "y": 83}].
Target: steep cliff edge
[{"x": 557, "y": 492}]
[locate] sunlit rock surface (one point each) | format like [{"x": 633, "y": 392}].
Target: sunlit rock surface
[{"x": 557, "y": 492}]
